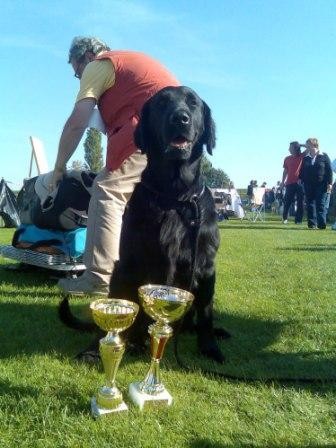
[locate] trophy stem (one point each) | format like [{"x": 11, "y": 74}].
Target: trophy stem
[
  {"x": 109, "y": 397},
  {"x": 164, "y": 304},
  {"x": 160, "y": 334},
  {"x": 150, "y": 391},
  {"x": 111, "y": 349}
]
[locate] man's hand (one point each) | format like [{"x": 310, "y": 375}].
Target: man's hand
[
  {"x": 329, "y": 188},
  {"x": 72, "y": 133},
  {"x": 56, "y": 178}
]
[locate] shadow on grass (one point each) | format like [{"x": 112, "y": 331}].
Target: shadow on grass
[
  {"x": 308, "y": 248},
  {"x": 28, "y": 329},
  {"x": 25, "y": 277},
  {"x": 34, "y": 328},
  {"x": 26, "y": 269},
  {"x": 205, "y": 443},
  {"x": 261, "y": 226},
  {"x": 250, "y": 356},
  {"x": 13, "y": 394}
]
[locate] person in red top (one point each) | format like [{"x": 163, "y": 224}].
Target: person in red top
[
  {"x": 119, "y": 83},
  {"x": 290, "y": 179}
]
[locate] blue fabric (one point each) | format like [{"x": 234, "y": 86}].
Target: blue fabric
[{"x": 71, "y": 242}]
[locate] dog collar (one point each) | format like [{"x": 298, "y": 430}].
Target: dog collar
[{"x": 168, "y": 203}]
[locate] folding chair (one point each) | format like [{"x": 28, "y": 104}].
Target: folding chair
[{"x": 256, "y": 210}]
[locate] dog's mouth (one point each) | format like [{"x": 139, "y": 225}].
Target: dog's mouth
[{"x": 180, "y": 142}]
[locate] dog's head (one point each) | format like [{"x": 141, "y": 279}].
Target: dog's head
[{"x": 174, "y": 121}]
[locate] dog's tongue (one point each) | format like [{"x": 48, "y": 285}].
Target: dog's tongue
[{"x": 179, "y": 142}]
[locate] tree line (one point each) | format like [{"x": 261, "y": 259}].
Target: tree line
[{"x": 93, "y": 156}]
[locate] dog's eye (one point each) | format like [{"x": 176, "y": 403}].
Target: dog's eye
[{"x": 192, "y": 101}]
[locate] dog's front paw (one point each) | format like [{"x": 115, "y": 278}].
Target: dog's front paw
[
  {"x": 212, "y": 351},
  {"x": 137, "y": 348},
  {"x": 90, "y": 357},
  {"x": 220, "y": 333}
]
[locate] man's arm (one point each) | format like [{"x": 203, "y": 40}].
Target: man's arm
[
  {"x": 284, "y": 176},
  {"x": 72, "y": 133}
]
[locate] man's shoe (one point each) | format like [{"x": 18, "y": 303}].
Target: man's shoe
[
  {"x": 82, "y": 286},
  {"x": 285, "y": 221}
]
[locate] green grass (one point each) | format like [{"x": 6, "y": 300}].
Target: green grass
[{"x": 274, "y": 293}]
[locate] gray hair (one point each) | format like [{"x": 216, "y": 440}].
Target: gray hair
[{"x": 80, "y": 45}]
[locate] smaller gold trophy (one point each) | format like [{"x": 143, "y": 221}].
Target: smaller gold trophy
[
  {"x": 165, "y": 305},
  {"x": 113, "y": 316}
]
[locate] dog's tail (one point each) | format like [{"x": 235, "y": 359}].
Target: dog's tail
[{"x": 71, "y": 321}]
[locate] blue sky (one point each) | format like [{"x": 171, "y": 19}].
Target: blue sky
[{"x": 266, "y": 68}]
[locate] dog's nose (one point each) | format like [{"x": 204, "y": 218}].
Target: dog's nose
[{"x": 180, "y": 117}]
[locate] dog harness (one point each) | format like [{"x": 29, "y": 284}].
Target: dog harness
[{"x": 190, "y": 212}]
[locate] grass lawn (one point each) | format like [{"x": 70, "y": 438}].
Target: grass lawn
[{"x": 275, "y": 293}]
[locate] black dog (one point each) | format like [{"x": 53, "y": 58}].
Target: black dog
[{"x": 169, "y": 234}]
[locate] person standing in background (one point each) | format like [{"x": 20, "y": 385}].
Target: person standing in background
[
  {"x": 316, "y": 175},
  {"x": 290, "y": 180}
]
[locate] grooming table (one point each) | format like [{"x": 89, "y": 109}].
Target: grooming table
[{"x": 46, "y": 261}]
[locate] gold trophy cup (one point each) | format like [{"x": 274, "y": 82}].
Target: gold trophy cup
[
  {"x": 164, "y": 304},
  {"x": 113, "y": 316}
]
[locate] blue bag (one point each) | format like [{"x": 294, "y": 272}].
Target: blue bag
[{"x": 71, "y": 242}]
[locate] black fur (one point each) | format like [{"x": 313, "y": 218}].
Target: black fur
[{"x": 170, "y": 234}]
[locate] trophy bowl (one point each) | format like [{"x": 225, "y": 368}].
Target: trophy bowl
[
  {"x": 164, "y": 304},
  {"x": 113, "y": 316}
]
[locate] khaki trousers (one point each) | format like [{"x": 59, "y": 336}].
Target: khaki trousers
[{"x": 111, "y": 191}]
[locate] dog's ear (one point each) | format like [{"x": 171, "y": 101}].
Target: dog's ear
[
  {"x": 141, "y": 131},
  {"x": 209, "y": 134}
]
